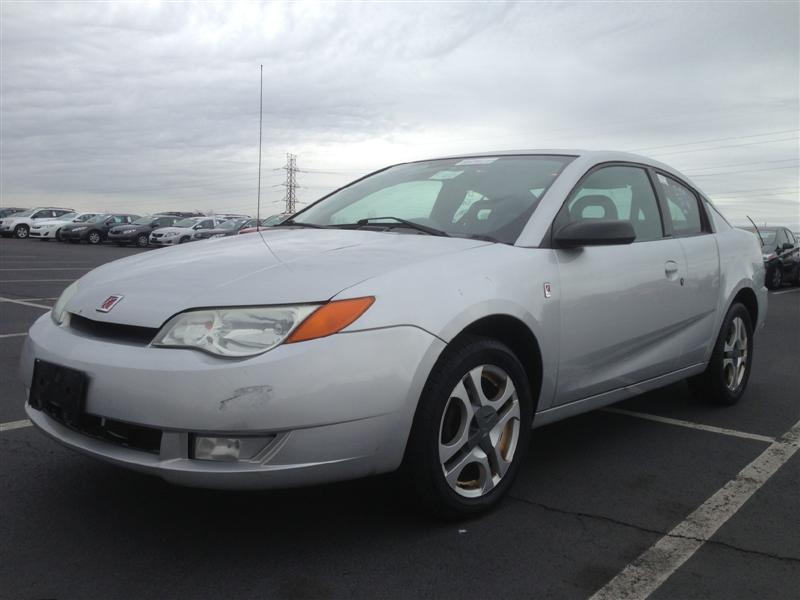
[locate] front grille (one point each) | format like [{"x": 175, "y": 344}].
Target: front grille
[
  {"x": 115, "y": 332},
  {"x": 138, "y": 437}
]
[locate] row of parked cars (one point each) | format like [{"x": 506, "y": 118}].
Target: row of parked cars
[{"x": 161, "y": 229}]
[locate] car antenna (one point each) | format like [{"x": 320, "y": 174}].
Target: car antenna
[
  {"x": 760, "y": 239},
  {"x": 260, "y": 122}
]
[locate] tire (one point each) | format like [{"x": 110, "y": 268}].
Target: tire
[
  {"x": 725, "y": 379},
  {"x": 94, "y": 238},
  {"x": 141, "y": 241},
  {"x": 457, "y": 428},
  {"x": 57, "y": 236},
  {"x": 183, "y": 240},
  {"x": 21, "y": 232},
  {"x": 775, "y": 278}
]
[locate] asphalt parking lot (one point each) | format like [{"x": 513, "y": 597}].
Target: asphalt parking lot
[{"x": 596, "y": 493}]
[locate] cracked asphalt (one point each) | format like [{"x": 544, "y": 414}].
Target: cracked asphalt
[{"x": 595, "y": 493}]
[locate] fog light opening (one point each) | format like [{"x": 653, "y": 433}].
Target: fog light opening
[{"x": 227, "y": 449}]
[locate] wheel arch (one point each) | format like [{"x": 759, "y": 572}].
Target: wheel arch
[
  {"x": 515, "y": 334},
  {"x": 748, "y": 298}
]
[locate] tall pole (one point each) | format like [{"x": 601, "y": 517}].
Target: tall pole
[{"x": 260, "y": 123}]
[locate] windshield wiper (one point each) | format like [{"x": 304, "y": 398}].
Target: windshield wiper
[
  {"x": 291, "y": 223},
  {"x": 398, "y": 222}
]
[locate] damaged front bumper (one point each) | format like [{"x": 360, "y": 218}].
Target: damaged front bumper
[{"x": 328, "y": 409}]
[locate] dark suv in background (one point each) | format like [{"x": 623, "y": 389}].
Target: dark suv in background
[
  {"x": 139, "y": 231},
  {"x": 94, "y": 230},
  {"x": 781, "y": 253}
]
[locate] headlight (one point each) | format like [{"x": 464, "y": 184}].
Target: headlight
[
  {"x": 127, "y": 231},
  {"x": 170, "y": 234},
  {"x": 59, "y": 311},
  {"x": 247, "y": 331}
]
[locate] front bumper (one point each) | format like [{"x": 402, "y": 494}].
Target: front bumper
[
  {"x": 164, "y": 241},
  {"x": 45, "y": 234},
  {"x": 339, "y": 407}
]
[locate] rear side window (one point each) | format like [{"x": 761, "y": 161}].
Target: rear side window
[
  {"x": 616, "y": 193},
  {"x": 791, "y": 237},
  {"x": 684, "y": 209}
]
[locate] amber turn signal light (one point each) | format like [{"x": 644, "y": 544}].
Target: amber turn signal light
[{"x": 330, "y": 318}]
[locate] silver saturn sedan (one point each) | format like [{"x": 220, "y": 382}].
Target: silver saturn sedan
[{"x": 428, "y": 316}]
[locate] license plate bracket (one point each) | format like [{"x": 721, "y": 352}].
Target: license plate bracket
[{"x": 59, "y": 391}]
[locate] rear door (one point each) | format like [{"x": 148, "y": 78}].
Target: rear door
[
  {"x": 688, "y": 222},
  {"x": 620, "y": 305}
]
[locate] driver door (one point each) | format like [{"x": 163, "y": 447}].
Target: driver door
[{"x": 620, "y": 305}]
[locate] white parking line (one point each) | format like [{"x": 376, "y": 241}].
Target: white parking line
[
  {"x": 690, "y": 424},
  {"x": 24, "y": 303},
  {"x": 785, "y": 292},
  {"x": 652, "y": 568},
  {"x": 8, "y": 335},
  {"x": 32, "y": 280},
  {"x": 15, "y": 425}
]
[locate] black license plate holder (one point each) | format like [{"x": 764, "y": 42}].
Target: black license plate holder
[{"x": 59, "y": 391}]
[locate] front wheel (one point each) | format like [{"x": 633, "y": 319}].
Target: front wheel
[
  {"x": 471, "y": 429},
  {"x": 775, "y": 278},
  {"x": 725, "y": 378}
]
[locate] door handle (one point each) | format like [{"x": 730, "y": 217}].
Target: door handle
[{"x": 670, "y": 268}]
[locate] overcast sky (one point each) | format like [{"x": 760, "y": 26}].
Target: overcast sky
[{"x": 142, "y": 107}]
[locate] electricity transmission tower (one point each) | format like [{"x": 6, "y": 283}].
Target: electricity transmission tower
[{"x": 291, "y": 183}]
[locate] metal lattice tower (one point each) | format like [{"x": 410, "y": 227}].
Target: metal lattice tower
[{"x": 291, "y": 184}]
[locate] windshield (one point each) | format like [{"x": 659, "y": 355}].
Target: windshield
[
  {"x": 96, "y": 219},
  {"x": 83, "y": 218},
  {"x": 186, "y": 222},
  {"x": 67, "y": 216},
  {"x": 474, "y": 197},
  {"x": 768, "y": 237}
]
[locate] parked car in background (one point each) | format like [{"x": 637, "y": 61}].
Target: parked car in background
[
  {"x": 138, "y": 232},
  {"x": 96, "y": 229},
  {"x": 19, "y": 224},
  {"x": 50, "y": 229},
  {"x": 183, "y": 230},
  {"x": 182, "y": 214},
  {"x": 781, "y": 252},
  {"x": 254, "y": 225},
  {"x": 224, "y": 229},
  {"x": 8, "y": 211},
  {"x": 429, "y": 315}
]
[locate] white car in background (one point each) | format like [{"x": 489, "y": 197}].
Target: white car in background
[
  {"x": 50, "y": 229},
  {"x": 19, "y": 225},
  {"x": 183, "y": 230}
]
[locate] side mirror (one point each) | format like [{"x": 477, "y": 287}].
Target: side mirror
[{"x": 591, "y": 232}]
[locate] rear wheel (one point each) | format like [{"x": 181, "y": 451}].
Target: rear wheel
[
  {"x": 471, "y": 429},
  {"x": 93, "y": 237},
  {"x": 141, "y": 241},
  {"x": 725, "y": 379},
  {"x": 57, "y": 236},
  {"x": 21, "y": 232},
  {"x": 183, "y": 240}
]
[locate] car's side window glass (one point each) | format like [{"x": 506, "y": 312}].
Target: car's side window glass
[
  {"x": 684, "y": 209},
  {"x": 616, "y": 193},
  {"x": 781, "y": 238},
  {"x": 415, "y": 197},
  {"x": 791, "y": 237}
]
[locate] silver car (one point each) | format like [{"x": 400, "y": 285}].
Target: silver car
[{"x": 429, "y": 315}]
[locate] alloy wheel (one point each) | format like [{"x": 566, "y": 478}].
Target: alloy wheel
[
  {"x": 777, "y": 278},
  {"x": 734, "y": 357},
  {"x": 21, "y": 232},
  {"x": 479, "y": 431},
  {"x": 94, "y": 238},
  {"x": 141, "y": 241}
]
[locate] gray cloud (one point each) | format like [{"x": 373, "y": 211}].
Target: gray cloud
[{"x": 155, "y": 106}]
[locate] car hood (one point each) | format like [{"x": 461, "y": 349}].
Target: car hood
[{"x": 277, "y": 266}]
